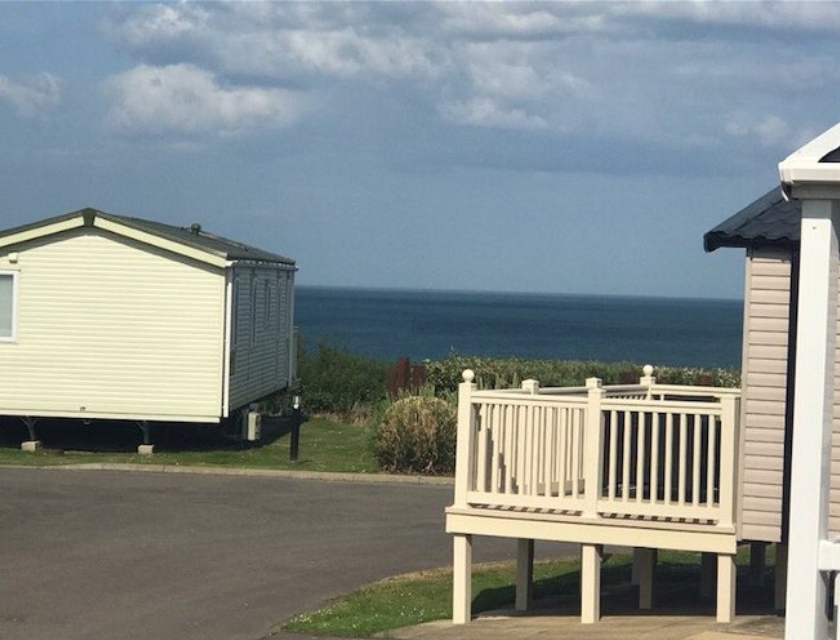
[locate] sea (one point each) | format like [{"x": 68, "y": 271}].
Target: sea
[{"x": 387, "y": 324}]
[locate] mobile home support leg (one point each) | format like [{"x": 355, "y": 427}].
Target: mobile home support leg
[
  {"x": 33, "y": 443},
  {"x": 707, "y": 575},
  {"x": 647, "y": 563},
  {"x": 147, "y": 448},
  {"x": 780, "y": 572},
  {"x": 524, "y": 573},
  {"x": 758, "y": 561},
  {"x": 462, "y": 579}
]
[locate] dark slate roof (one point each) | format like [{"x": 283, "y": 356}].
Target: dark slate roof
[
  {"x": 190, "y": 236},
  {"x": 770, "y": 221}
]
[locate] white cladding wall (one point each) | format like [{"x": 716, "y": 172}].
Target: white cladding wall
[
  {"x": 109, "y": 326},
  {"x": 261, "y": 332},
  {"x": 764, "y": 383}
]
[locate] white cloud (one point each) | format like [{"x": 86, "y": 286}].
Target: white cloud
[
  {"x": 184, "y": 99},
  {"x": 31, "y": 96},
  {"x": 658, "y": 73},
  {"x": 485, "y": 112},
  {"x": 152, "y": 24},
  {"x": 781, "y": 15},
  {"x": 768, "y": 130}
]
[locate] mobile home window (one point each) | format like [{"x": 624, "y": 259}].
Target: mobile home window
[{"x": 8, "y": 311}]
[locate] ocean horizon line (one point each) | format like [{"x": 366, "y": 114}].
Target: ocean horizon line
[{"x": 490, "y": 292}]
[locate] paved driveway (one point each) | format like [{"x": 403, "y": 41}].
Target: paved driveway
[{"x": 113, "y": 555}]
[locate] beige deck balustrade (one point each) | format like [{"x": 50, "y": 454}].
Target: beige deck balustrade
[{"x": 647, "y": 466}]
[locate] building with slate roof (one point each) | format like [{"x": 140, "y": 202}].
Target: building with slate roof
[{"x": 112, "y": 317}]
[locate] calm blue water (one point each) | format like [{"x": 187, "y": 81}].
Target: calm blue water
[{"x": 429, "y": 324}]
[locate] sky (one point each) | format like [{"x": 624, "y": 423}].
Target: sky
[{"x": 534, "y": 147}]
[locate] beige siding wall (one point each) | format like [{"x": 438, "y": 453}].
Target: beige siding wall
[
  {"x": 111, "y": 327},
  {"x": 764, "y": 367},
  {"x": 764, "y": 384},
  {"x": 261, "y": 333}
]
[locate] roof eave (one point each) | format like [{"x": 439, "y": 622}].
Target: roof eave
[{"x": 808, "y": 168}]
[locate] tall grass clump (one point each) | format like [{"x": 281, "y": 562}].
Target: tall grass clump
[{"x": 417, "y": 435}]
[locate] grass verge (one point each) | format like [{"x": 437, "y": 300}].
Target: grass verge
[
  {"x": 324, "y": 446},
  {"x": 416, "y": 598}
]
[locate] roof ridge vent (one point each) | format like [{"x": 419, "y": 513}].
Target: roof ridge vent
[{"x": 195, "y": 229}]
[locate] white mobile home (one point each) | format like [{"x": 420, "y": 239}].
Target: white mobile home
[{"x": 110, "y": 317}]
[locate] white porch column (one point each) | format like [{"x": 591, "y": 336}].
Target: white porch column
[{"x": 813, "y": 407}]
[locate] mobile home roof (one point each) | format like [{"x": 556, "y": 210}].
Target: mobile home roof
[{"x": 193, "y": 236}]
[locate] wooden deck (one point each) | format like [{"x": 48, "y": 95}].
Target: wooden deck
[{"x": 646, "y": 466}]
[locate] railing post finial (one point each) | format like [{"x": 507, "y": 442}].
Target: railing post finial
[
  {"x": 531, "y": 386},
  {"x": 468, "y": 375},
  {"x": 593, "y": 383},
  {"x": 647, "y": 379}
]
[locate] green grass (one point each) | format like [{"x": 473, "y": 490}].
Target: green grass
[
  {"x": 422, "y": 597},
  {"x": 324, "y": 446}
]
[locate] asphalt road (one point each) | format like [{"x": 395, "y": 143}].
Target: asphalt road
[{"x": 116, "y": 555}]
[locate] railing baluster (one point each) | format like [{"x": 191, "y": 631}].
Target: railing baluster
[
  {"x": 496, "y": 460},
  {"x": 640, "y": 457},
  {"x": 654, "y": 456},
  {"x": 580, "y": 446},
  {"x": 562, "y": 435},
  {"x": 526, "y": 439},
  {"x": 711, "y": 462},
  {"x": 626, "y": 457},
  {"x": 554, "y": 451},
  {"x": 669, "y": 458},
  {"x": 550, "y": 451},
  {"x": 695, "y": 476},
  {"x": 573, "y": 439},
  {"x": 484, "y": 422},
  {"x": 682, "y": 459},
  {"x": 613, "y": 454}
]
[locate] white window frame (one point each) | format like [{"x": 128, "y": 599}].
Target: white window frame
[{"x": 15, "y": 304}]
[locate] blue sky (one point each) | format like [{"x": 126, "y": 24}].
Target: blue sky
[{"x": 550, "y": 147}]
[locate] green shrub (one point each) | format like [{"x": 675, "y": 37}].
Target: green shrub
[
  {"x": 340, "y": 383},
  {"x": 499, "y": 373},
  {"x": 417, "y": 434}
]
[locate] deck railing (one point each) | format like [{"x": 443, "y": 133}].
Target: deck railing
[{"x": 659, "y": 452}]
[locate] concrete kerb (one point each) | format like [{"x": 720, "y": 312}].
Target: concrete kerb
[{"x": 324, "y": 476}]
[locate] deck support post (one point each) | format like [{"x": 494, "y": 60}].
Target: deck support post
[
  {"x": 524, "y": 573},
  {"x": 647, "y": 563},
  {"x": 708, "y": 571},
  {"x": 807, "y": 604},
  {"x": 462, "y": 579},
  {"x": 591, "y": 557},
  {"x": 780, "y": 572},
  {"x": 725, "y": 587},
  {"x": 758, "y": 563}
]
